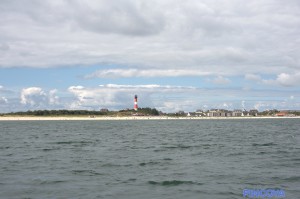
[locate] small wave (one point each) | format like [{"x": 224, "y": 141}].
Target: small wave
[
  {"x": 53, "y": 182},
  {"x": 171, "y": 182},
  {"x": 116, "y": 165},
  {"x": 159, "y": 150},
  {"x": 293, "y": 179},
  {"x": 47, "y": 182},
  {"x": 296, "y": 159},
  {"x": 236, "y": 154},
  {"x": 50, "y": 149},
  {"x": 262, "y": 152},
  {"x": 73, "y": 142},
  {"x": 170, "y": 147},
  {"x": 228, "y": 193},
  {"x": 161, "y": 161},
  {"x": 129, "y": 180},
  {"x": 174, "y": 147},
  {"x": 186, "y": 147},
  {"x": 86, "y": 172},
  {"x": 149, "y": 163},
  {"x": 265, "y": 144},
  {"x": 46, "y": 149},
  {"x": 180, "y": 146}
]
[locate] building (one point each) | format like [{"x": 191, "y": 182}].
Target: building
[
  {"x": 245, "y": 113},
  {"x": 237, "y": 113},
  {"x": 253, "y": 112},
  {"x": 135, "y": 106},
  {"x": 104, "y": 110},
  {"x": 219, "y": 113},
  {"x": 200, "y": 113},
  {"x": 282, "y": 114}
]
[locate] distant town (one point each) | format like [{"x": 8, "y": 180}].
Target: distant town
[{"x": 241, "y": 113}]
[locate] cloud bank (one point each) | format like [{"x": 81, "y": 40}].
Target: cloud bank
[
  {"x": 180, "y": 38},
  {"x": 127, "y": 73},
  {"x": 165, "y": 98}
]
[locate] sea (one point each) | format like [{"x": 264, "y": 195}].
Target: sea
[{"x": 149, "y": 159}]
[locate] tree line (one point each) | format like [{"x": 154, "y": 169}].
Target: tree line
[
  {"x": 57, "y": 112},
  {"x": 144, "y": 111}
]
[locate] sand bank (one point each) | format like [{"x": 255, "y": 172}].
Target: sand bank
[{"x": 46, "y": 118}]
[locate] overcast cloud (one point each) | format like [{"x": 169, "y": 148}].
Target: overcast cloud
[{"x": 256, "y": 41}]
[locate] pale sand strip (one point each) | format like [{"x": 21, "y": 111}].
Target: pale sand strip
[{"x": 46, "y": 118}]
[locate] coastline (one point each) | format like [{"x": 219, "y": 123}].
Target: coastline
[{"x": 87, "y": 118}]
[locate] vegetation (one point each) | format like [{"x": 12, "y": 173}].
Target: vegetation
[
  {"x": 148, "y": 111},
  {"x": 128, "y": 112},
  {"x": 57, "y": 113},
  {"x": 275, "y": 111},
  {"x": 297, "y": 113},
  {"x": 269, "y": 112},
  {"x": 139, "y": 112}
]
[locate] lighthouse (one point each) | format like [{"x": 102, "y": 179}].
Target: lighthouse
[{"x": 135, "y": 103}]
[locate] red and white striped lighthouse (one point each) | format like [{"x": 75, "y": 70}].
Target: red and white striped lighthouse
[{"x": 135, "y": 103}]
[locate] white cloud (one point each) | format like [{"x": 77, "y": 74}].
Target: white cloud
[
  {"x": 120, "y": 17},
  {"x": 175, "y": 106},
  {"x": 221, "y": 80},
  {"x": 292, "y": 97},
  {"x": 3, "y": 100},
  {"x": 127, "y": 73},
  {"x": 285, "y": 79},
  {"x": 37, "y": 98},
  {"x": 87, "y": 98},
  {"x": 76, "y": 87},
  {"x": 279, "y": 104},
  {"x": 225, "y": 105},
  {"x": 258, "y": 105},
  {"x": 32, "y": 96},
  {"x": 4, "y": 47},
  {"x": 53, "y": 98},
  {"x": 243, "y": 104},
  {"x": 282, "y": 79},
  {"x": 118, "y": 86},
  {"x": 253, "y": 77}
]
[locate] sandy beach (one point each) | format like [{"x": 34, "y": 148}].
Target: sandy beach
[{"x": 62, "y": 118}]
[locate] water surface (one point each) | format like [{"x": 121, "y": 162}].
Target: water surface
[{"x": 148, "y": 159}]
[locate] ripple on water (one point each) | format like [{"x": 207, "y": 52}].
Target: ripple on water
[
  {"x": 264, "y": 144},
  {"x": 86, "y": 172},
  {"x": 173, "y": 183},
  {"x": 73, "y": 142}
]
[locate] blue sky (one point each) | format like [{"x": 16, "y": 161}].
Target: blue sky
[{"x": 175, "y": 55}]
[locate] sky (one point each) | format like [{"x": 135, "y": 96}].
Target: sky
[{"x": 175, "y": 55}]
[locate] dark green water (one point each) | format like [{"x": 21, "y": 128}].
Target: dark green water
[{"x": 210, "y": 159}]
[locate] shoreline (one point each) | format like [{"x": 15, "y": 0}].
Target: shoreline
[{"x": 103, "y": 118}]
